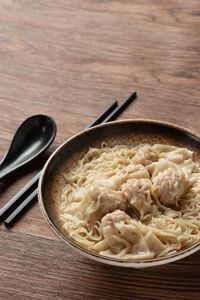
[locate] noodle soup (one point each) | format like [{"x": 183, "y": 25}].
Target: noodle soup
[
  {"x": 126, "y": 193},
  {"x": 132, "y": 202}
]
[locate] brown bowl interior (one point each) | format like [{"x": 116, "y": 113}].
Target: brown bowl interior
[{"x": 130, "y": 132}]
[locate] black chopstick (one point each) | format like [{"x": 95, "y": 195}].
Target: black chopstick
[
  {"x": 10, "y": 205},
  {"x": 104, "y": 114},
  {"x": 13, "y": 201},
  {"x": 110, "y": 117},
  {"x": 120, "y": 108},
  {"x": 21, "y": 207}
]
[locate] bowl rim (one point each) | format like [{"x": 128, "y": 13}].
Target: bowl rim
[{"x": 95, "y": 256}]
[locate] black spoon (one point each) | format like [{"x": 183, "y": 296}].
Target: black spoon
[{"x": 31, "y": 139}]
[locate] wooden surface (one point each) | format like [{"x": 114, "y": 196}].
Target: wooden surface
[{"x": 70, "y": 59}]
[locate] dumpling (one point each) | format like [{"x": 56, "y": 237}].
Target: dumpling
[
  {"x": 138, "y": 192},
  {"x": 125, "y": 237},
  {"x": 153, "y": 243},
  {"x": 145, "y": 156},
  {"x": 160, "y": 166},
  {"x": 172, "y": 153},
  {"x": 181, "y": 157},
  {"x": 110, "y": 200},
  {"x": 116, "y": 216},
  {"x": 101, "y": 201},
  {"x": 121, "y": 235},
  {"x": 113, "y": 241},
  {"x": 135, "y": 172},
  {"x": 169, "y": 185}
]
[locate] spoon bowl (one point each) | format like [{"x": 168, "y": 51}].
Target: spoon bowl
[{"x": 31, "y": 139}]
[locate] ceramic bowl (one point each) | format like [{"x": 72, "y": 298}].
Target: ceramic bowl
[{"x": 113, "y": 133}]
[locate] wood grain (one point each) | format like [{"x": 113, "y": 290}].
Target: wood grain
[
  {"x": 64, "y": 275},
  {"x": 70, "y": 59}
]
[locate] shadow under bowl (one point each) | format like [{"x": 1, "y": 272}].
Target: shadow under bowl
[{"x": 126, "y": 132}]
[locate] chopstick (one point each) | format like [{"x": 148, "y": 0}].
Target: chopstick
[
  {"x": 104, "y": 114},
  {"x": 4, "y": 211},
  {"x": 113, "y": 114},
  {"x": 120, "y": 108},
  {"x": 13, "y": 201},
  {"x": 21, "y": 207}
]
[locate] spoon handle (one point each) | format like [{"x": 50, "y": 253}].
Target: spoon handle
[{"x": 4, "y": 170}]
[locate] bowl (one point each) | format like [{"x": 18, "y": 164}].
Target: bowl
[{"x": 118, "y": 132}]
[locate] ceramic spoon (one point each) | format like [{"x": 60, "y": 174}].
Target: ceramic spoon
[{"x": 31, "y": 139}]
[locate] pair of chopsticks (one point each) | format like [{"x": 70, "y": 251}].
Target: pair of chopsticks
[{"x": 14, "y": 208}]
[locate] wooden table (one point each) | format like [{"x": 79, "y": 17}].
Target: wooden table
[{"x": 70, "y": 59}]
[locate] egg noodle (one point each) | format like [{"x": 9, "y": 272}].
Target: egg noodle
[{"x": 138, "y": 202}]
